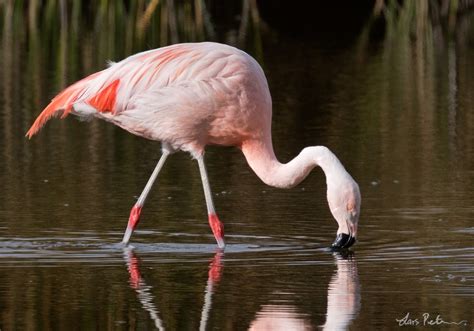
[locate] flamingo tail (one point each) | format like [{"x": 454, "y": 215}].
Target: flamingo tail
[{"x": 103, "y": 100}]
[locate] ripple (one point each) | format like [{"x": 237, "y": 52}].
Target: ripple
[
  {"x": 79, "y": 248},
  {"x": 465, "y": 230}
]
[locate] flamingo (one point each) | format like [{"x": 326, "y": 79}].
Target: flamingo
[
  {"x": 144, "y": 291},
  {"x": 192, "y": 95}
]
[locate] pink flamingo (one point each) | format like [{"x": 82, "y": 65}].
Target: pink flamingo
[{"x": 191, "y": 95}]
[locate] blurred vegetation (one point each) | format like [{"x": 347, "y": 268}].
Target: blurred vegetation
[
  {"x": 420, "y": 68},
  {"x": 79, "y": 35}
]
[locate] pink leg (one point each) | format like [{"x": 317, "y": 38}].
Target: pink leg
[
  {"x": 137, "y": 208},
  {"x": 216, "y": 225}
]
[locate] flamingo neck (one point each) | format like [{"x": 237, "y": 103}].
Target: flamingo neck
[{"x": 261, "y": 158}]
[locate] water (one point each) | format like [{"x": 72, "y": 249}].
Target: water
[{"x": 396, "y": 110}]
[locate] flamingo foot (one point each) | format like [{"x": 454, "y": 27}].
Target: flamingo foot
[
  {"x": 132, "y": 223},
  {"x": 217, "y": 229}
]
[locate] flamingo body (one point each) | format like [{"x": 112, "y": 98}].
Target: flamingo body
[
  {"x": 187, "y": 95},
  {"x": 191, "y": 95}
]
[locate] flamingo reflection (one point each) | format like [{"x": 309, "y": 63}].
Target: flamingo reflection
[
  {"x": 143, "y": 290},
  {"x": 146, "y": 298},
  {"x": 214, "y": 275},
  {"x": 343, "y": 294},
  {"x": 343, "y": 303},
  {"x": 279, "y": 318}
]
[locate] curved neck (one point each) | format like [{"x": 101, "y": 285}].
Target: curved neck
[{"x": 262, "y": 160}]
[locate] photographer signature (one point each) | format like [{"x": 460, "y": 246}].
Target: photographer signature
[{"x": 427, "y": 320}]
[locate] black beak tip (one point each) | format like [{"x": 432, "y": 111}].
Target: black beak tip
[{"x": 343, "y": 241}]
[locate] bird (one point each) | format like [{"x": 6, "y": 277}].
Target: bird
[{"x": 189, "y": 96}]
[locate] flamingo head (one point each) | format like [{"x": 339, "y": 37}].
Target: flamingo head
[{"x": 344, "y": 202}]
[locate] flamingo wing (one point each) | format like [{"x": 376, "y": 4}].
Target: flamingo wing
[
  {"x": 186, "y": 115},
  {"x": 156, "y": 73}
]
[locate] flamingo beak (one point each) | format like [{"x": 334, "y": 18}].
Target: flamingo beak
[{"x": 343, "y": 241}]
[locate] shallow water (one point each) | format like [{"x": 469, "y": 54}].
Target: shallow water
[{"x": 396, "y": 111}]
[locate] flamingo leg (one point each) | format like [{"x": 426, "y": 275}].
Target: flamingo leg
[
  {"x": 216, "y": 225},
  {"x": 137, "y": 208}
]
